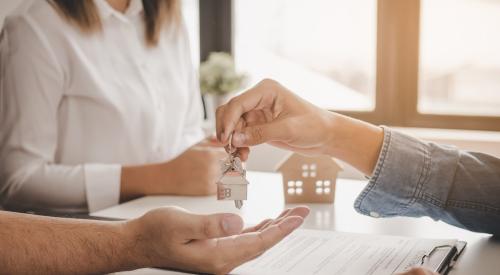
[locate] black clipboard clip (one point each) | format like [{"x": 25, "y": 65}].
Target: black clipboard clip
[{"x": 447, "y": 262}]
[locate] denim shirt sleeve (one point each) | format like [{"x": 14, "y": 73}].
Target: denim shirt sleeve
[{"x": 415, "y": 178}]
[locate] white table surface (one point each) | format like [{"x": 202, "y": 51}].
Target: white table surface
[{"x": 265, "y": 199}]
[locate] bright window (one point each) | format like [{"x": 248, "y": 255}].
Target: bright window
[
  {"x": 410, "y": 63},
  {"x": 460, "y": 57},
  {"x": 324, "y": 50}
]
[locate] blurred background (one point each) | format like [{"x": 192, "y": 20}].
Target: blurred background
[
  {"x": 333, "y": 45},
  {"x": 429, "y": 67}
]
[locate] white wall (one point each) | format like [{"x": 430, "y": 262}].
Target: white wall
[{"x": 6, "y": 7}]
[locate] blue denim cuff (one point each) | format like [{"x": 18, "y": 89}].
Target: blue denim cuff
[{"x": 401, "y": 178}]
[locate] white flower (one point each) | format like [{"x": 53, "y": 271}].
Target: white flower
[{"x": 218, "y": 75}]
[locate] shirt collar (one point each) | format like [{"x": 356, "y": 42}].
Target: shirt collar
[
  {"x": 105, "y": 10},
  {"x": 134, "y": 8}
]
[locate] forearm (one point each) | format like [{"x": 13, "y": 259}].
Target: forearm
[
  {"x": 410, "y": 177},
  {"x": 416, "y": 178},
  {"x": 192, "y": 173},
  {"x": 141, "y": 180},
  {"x": 33, "y": 244},
  {"x": 473, "y": 200},
  {"x": 355, "y": 142}
]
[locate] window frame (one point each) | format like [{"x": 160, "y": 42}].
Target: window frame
[
  {"x": 397, "y": 65},
  {"x": 216, "y": 27}
]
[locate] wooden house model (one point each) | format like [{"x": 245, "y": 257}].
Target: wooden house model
[{"x": 309, "y": 179}]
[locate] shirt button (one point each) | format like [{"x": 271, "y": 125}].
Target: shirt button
[{"x": 374, "y": 214}]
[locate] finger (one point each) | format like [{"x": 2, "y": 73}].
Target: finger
[
  {"x": 262, "y": 133},
  {"x": 231, "y": 147},
  {"x": 200, "y": 227},
  {"x": 300, "y": 211},
  {"x": 259, "y": 96},
  {"x": 267, "y": 221},
  {"x": 240, "y": 125},
  {"x": 284, "y": 213},
  {"x": 255, "y": 117},
  {"x": 243, "y": 153},
  {"x": 247, "y": 246},
  {"x": 256, "y": 227},
  {"x": 219, "y": 114},
  {"x": 267, "y": 224}
]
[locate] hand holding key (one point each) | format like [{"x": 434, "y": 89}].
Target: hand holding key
[{"x": 270, "y": 113}]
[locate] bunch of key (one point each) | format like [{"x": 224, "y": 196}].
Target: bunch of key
[{"x": 233, "y": 184}]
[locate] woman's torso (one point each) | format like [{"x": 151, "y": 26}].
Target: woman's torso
[{"x": 123, "y": 101}]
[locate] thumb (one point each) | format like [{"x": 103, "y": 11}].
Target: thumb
[
  {"x": 257, "y": 134},
  {"x": 213, "y": 226}
]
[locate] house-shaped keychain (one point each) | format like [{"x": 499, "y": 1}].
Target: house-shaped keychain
[
  {"x": 309, "y": 179},
  {"x": 233, "y": 184}
]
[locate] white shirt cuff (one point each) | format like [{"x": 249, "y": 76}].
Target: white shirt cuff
[{"x": 102, "y": 185}]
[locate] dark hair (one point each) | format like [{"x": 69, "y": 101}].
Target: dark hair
[{"x": 157, "y": 13}]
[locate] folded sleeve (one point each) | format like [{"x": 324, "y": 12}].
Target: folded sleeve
[
  {"x": 415, "y": 178},
  {"x": 32, "y": 86},
  {"x": 102, "y": 183}
]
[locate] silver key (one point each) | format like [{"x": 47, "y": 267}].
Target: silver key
[
  {"x": 238, "y": 204},
  {"x": 233, "y": 184}
]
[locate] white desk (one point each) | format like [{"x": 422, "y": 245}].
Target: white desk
[{"x": 482, "y": 255}]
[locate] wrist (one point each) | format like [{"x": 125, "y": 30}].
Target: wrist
[
  {"x": 128, "y": 246},
  {"x": 332, "y": 128},
  {"x": 131, "y": 183},
  {"x": 166, "y": 173},
  {"x": 138, "y": 181},
  {"x": 356, "y": 142},
  {"x": 138, "y": 244}
]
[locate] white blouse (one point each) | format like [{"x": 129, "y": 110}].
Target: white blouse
[{"x": 76, "y": 107}]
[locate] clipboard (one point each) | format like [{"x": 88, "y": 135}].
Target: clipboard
[{"x": 441, "y": 259}]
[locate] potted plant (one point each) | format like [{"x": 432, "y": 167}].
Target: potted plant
[{"x": 218, "y": 81}]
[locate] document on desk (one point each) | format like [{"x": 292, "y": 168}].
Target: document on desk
[{"x": 328, "y": 252}]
